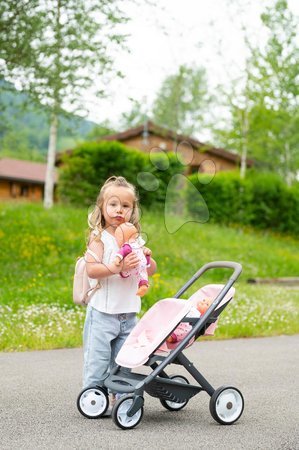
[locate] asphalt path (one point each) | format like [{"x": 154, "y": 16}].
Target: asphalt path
[{"x": 39, "y": 390}]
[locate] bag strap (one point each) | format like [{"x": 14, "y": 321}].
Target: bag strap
[
  {"x": 89, "y": 294},
  {"x": 91, "y": 253}
]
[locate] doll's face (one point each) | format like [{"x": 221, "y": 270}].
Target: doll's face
[
  {"x": 125, "y": 233},
  {"x": 204, "y": 304},
  {"x": 206, "y": 301}
]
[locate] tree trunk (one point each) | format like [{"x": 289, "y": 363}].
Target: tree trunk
[
  {"x": 244, "y": 122},
  {"x": 243, "y": 161},
  {"x": 50, "y": 173},
  {"x": 288, "y": 175}
]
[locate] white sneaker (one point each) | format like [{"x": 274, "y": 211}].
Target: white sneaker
[
  {"x": 112, "y": 400},
  {"x": 108, "y": 412},
  {"x": 118, "y": 395}
]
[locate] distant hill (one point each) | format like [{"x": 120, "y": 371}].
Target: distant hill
[{"x": 24, "y": 132}]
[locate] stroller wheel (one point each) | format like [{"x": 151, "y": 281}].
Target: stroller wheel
[
  {"x": 119, "y": 413},
  {"x": 173, "y": 406},
  {"x": 93, "y": 402},
  {"x": 226, "y": 405}
]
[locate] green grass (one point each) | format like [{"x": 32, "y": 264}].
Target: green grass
[{"x": 38, "y": 250}]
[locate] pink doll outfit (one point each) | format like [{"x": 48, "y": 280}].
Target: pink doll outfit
[
  {"x": 181, "y": 331},
  {"x": 144, "y": 261}
]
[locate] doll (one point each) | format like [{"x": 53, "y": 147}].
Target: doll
[
  {"x": 183, "y": 328},
  {"x": 203, "y": 305},
  {"x": 129, "y": 240},
  {"x": 179, "y": 333}
]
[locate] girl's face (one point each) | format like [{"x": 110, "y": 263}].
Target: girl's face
[{"x": 118, "y": 206}]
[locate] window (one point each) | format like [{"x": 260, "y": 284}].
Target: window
[
  {"x": 13, "y": 190},
  {"x": 24, "y": 192}
]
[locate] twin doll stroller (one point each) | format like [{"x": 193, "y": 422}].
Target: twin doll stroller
[{"x": 149, "y": 345}]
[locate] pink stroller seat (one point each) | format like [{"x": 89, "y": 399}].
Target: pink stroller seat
[
  {"x": 211, "y": 291},
  {"x": 159, "y": 321}
]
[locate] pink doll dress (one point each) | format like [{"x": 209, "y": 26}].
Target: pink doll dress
[{"x": 140, "y": 272}]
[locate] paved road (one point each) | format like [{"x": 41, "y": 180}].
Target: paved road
[{"x": 38, "y": 392}]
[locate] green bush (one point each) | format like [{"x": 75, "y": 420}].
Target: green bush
[
  {"x": 269, "y": 195},
  {"x": 226, "y": 197},
  {"x": 290, "y": 214},
  {"x": 262, "y": 200},
  {"x": 84, "y": 171}
]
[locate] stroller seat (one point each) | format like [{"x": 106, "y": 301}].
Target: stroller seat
[{"x": 150, "y": 333}]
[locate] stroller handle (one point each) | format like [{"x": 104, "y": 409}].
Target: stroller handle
[
  {"x": 237, "y": 268},
  {"x": 221, "y": 265}
]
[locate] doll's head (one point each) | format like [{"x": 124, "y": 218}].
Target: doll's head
[
  {"x": 203, "y": 305},
  {"x": 125, "y": 232}
]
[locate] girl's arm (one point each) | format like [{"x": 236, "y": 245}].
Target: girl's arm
[
  {"x": 153, "y": 265},
  {"x": 95, "y": 269},
  {"x": 152, "y": 268},
  {"x": 100, "y": 270}
]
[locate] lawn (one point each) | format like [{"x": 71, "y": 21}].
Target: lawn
[{"x": 38, "y": 250}]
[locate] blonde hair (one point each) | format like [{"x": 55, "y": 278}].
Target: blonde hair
[{"x": 96, "y": 221}]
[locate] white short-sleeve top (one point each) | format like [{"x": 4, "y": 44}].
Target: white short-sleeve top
[{"x": 116, "y": 295}]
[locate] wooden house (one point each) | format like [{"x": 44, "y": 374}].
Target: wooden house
[
  {"x": 196, "y": 155},
  {"x": 22, "y": 179}
]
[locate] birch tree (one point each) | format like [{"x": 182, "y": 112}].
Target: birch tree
[
  {"x": 182, "y": 100},
  {"x": 274, "y": 84},
  {"x": 56, "y": 50},
  {"x": 264, "y": 113}
]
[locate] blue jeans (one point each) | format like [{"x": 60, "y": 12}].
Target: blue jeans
[{"x": 103, "y": 337}]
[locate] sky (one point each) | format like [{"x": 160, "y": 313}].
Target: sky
[{"x": 190, "y": 32}]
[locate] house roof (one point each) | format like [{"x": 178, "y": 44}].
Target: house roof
[
  {"x": 161, "y": 131},
  {"x": 15, "y": 169}
]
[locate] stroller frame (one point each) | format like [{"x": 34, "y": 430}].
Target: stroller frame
[{"x": 174, "y": 392}]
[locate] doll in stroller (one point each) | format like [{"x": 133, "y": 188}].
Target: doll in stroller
[{"x": 157, "y": 341}]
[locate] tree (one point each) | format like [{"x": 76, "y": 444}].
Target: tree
[
  {"x": 137, "y": 115},
  {"x": 264, "y": 114},
  {"x": 275, "y": 86},
  {"x": 237, "y": 135},
  {"x": 182, "y": 100},
  {"x": 55, "y": 50},
  {"x": 100, "y": 130}
]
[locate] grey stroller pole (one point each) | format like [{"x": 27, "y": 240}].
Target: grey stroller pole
[{"x": 213, "y": 265}]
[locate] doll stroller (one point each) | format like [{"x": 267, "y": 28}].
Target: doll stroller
[{"x": 147, "y": 346}]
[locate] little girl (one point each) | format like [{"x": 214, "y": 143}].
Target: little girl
[{"x": 111, "y": 313}]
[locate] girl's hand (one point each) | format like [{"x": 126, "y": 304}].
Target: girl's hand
[
  {"x": 147, "y": 251},
  {"x": 129, "y": 262}
]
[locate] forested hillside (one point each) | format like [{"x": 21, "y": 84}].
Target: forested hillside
[{"x": 24, "y": 127}]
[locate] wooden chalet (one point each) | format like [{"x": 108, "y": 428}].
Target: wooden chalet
[
  {"x": 22, "y": 179},
  {"x": 196, "y": 155}
]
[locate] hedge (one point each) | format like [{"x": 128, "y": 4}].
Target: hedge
[
  {"x": 86, "y": 168},
  {"x": 262, "y": 200}
]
